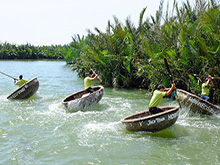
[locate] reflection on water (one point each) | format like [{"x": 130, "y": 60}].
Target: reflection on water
[{"x": 39, "y": 130}]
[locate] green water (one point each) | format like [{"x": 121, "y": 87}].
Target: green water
[{"x": 40, "y": 131}]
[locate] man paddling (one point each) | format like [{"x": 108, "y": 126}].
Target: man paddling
[
  {"x": 88, "y": 81},
  {"x": 206, "y": 88},
  {"x": 158, "y": 95},
  {"x": 20, "y": 82}
]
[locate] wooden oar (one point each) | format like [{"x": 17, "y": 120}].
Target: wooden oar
[
  {"x": 217, "y": 78},
  {"x": 171, "y": 79},
  {"x": 99, "y": 79},
  {"x": 8, "y": 75},
  {"x": 98, "y": 76}
]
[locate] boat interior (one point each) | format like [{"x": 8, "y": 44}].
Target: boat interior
[
  {"x": 80, "y": 94},
  {"x": 145, "y": 113}
]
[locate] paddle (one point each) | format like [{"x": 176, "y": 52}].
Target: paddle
[
  {"x": 97, "y": 76},
  {"x": 217, "y": 78},
  {"x": 8, "y": 75},
  {"x": 171, "y": 79}
]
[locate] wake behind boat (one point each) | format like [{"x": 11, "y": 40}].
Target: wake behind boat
[
  {"x": 83, "y": 99},
  {"x": 142, "y": 121},
  {"x": 197, "y": 104},
  {"x": 26, "y": 90}
]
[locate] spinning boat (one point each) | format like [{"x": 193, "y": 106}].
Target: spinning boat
[
  {"x": 142, "y": 121},
  {"x": 83, "y": 99},
  {"x": 196, "y": 104},
  {"x": 26, "y": 90}
]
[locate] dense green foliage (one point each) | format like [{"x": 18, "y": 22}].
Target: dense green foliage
[
  {"x": 10, "y": 51},
  {"x": 129, "y": 56}
]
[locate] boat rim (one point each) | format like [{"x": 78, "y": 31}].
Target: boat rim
[
  {"x": 65, "y": 102},
  {"x": 22, "y": 87},
  {"x": 193, "y": 95},
  {"x": 24, "y": 84},
  {"x": 125, "y": 120}
]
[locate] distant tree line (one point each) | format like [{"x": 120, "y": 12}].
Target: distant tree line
[{"x": 28, "y": 51}]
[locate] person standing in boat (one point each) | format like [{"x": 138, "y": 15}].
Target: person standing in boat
[
  {"x": 157, "y": 97},
  {"x": 206, "y": 88},
  {"x": 88, "y": 81},
  {"x": 20, "y": 82}
]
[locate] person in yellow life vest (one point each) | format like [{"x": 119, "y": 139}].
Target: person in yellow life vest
[
  {"x": 20, "y": 82},
  {"x": 206, "y": 88},
  {"x": 157, "y": 97},
  {"x": 88, "y": 81}
]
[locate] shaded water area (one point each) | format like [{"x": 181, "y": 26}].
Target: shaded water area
[{"x": 39, "y": 130}]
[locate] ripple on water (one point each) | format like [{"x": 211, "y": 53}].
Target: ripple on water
[{"x": 40, "y": 130}]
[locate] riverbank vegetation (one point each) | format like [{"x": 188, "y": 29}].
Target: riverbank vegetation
[
  {"x": 128, "y": 56},
  {"x": 28, "y": 51},
  {"x": 187, "y": 35}
]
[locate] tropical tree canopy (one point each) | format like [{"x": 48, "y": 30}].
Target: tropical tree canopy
[{"x": 129, "y": 56}]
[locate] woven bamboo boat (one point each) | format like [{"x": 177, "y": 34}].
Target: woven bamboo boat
[
  {"x": 142, "y": 121},
  {"x": 82, "y": 99},
  {"x": 196, "y": 104},
  {"x": 26, "y": 90}
]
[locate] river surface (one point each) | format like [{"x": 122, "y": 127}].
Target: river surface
[{"x": 39, "y": 130}]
